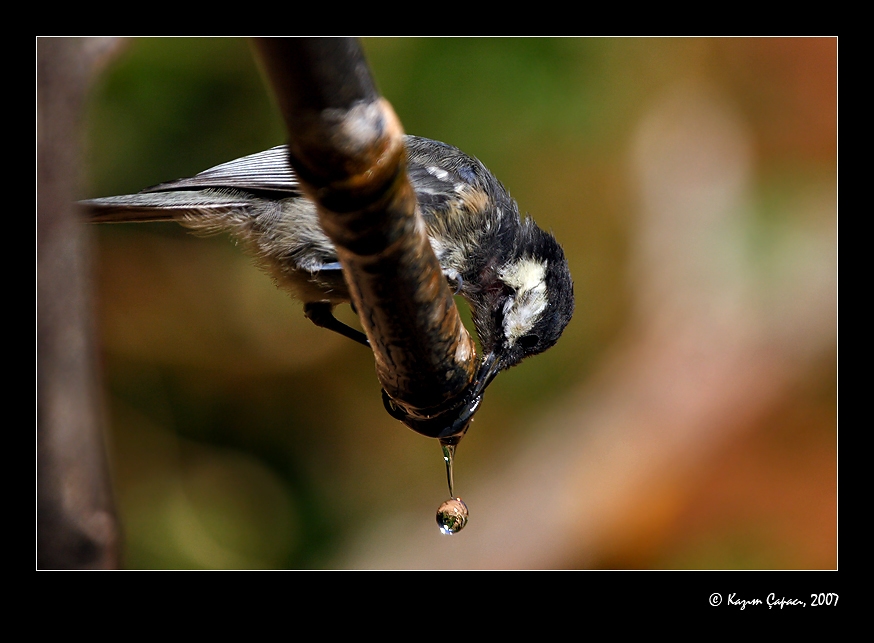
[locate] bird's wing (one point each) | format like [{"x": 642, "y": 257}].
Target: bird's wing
[
  {"x": 265, "y": 171},
  {"x": 443, "y": 177}
]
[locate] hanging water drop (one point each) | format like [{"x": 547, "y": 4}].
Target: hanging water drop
[{"x": 451, "y": 515}]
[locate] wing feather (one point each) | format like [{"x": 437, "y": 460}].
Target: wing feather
[{"x": 267, "y": 170}]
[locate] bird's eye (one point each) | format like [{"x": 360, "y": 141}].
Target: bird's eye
[{"x": 529, "y": 341}]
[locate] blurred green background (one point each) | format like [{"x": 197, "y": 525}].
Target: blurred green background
[{"x": 687, "y": 418}]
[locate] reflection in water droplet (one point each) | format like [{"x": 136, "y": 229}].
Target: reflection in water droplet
[{"x": 452, "y": 516}]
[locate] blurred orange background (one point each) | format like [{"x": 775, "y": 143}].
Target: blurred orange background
[{"x": 686, "y": 419}]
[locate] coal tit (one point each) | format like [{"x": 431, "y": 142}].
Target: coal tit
[{"x": 513, "y": 274}]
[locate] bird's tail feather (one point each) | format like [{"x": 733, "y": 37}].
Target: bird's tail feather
[{"x": 158, "y": 206}]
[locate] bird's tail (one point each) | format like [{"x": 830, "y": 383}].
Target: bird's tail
[{"x": 158, "y": 206}]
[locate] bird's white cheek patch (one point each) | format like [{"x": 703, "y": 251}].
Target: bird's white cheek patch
[
  {"x": 524, "y": 313},
  {"x": 527, "y": 277}
]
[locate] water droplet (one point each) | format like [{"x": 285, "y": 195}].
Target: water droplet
[
  {"x": 449, "y": 458},
  {"x": 452, "y": 516}
]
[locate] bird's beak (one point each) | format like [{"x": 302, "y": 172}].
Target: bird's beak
[{"x": 488, "y": 370}]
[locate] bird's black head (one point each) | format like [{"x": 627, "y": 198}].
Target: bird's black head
[{"x": 525, "y": 304}]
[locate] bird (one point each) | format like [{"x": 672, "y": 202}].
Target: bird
[{"x": 513, "y": 274}]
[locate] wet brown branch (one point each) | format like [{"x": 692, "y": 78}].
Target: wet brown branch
[{"x": 346, "y": 145}]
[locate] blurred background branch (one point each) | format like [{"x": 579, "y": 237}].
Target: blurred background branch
[{"x": 76, "y": 524}]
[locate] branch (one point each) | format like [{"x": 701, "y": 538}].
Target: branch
[{"x": 346, "y": 145}]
